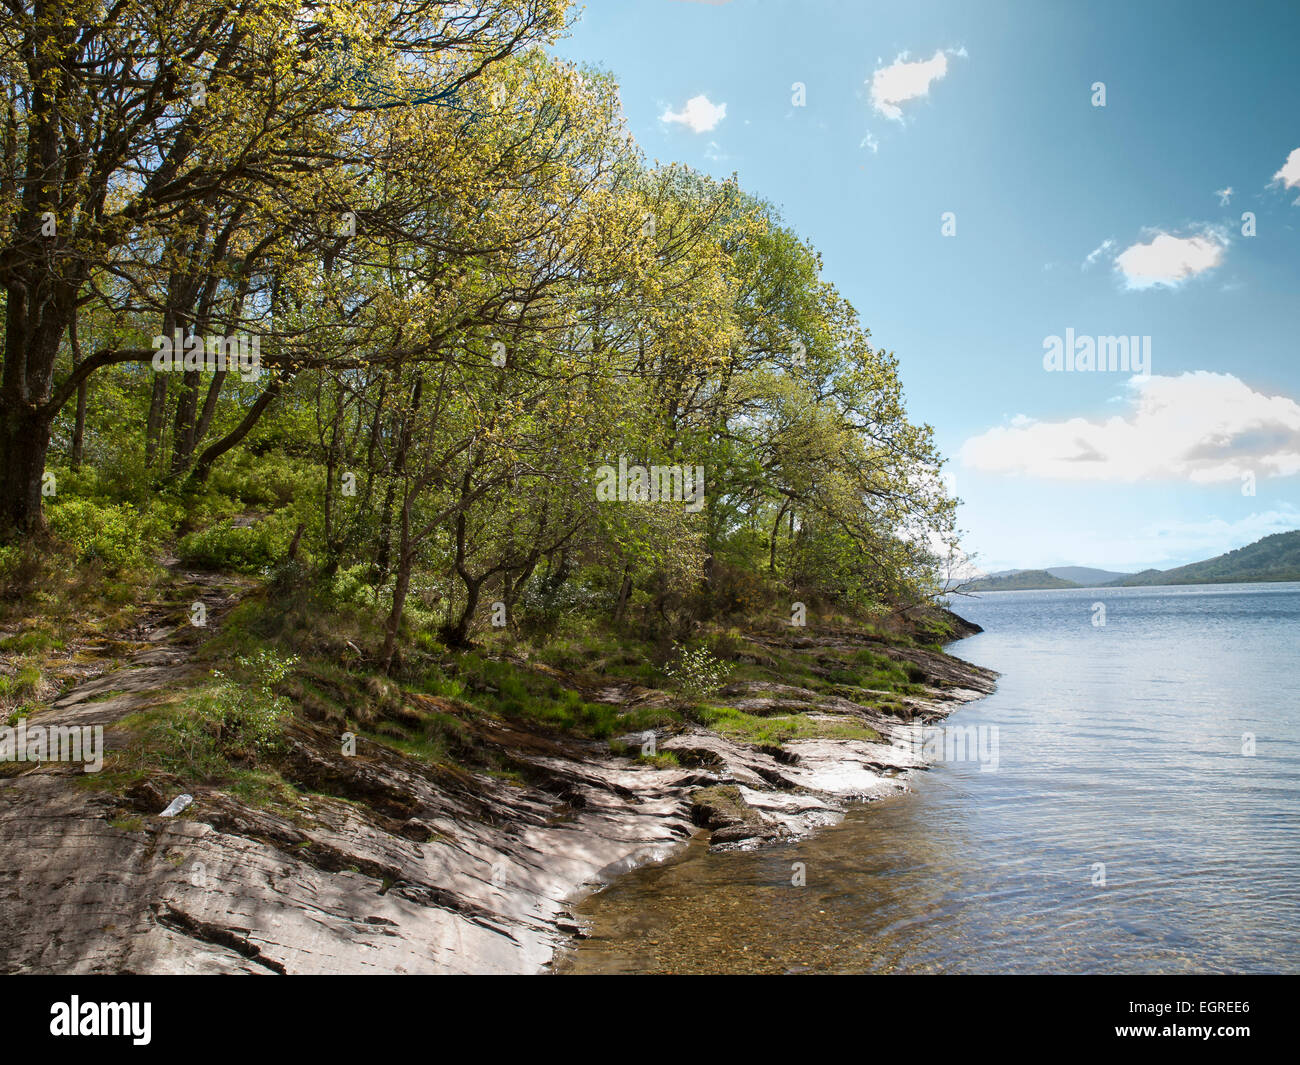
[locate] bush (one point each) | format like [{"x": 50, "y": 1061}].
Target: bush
[
  {"x": 20, "y": 567},
  {"x": 350, "y": 585},
  {"x": 115, "y": 534},
  {"x": 696, "y": 673},
  {"x": 290, "y": 577},
  {"x": 544, "y": 606},
  {"x": 228, "y": 720},
  {"x": 270, "y": 480},
  {"x": 244, "y": 548},
  {"x": 250, "y": 715}
]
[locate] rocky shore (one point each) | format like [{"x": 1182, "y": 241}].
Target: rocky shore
[{"x": 385, "y": 864}]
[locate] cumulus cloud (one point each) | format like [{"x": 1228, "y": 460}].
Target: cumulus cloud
[
  {"x": 700, "y": 114},
  {"x": 1289, "y": 175},
  {"x": 1174, "y": 541},
  {"x": 1201, "y": 427},
  {"x": 902, "y": 81},
  {"x": 1168, "y": 260}
]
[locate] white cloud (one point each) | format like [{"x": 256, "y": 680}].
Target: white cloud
[
  {"x": 1225, "y": 195},
  {"x": 699, "y": 113},
  {"x": 902, "y": 81},
  {"x": 869, "y": 141},
  {"x": 1168, "y": 260},
  {"x": 1172, "y": 541},
  {"x": 1201, "y": 427},
  {"x": 1097, "y": 252},
  {"x": 1289, "y": 175}
]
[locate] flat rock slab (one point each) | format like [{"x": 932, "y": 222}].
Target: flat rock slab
[{"x": 388, "y": 864}]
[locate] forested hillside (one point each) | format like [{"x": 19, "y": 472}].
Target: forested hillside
[
  {"x": 412, "y": 497},
  {"x": 1274, "y": 558},
  {"x": 374, "y": 300}
]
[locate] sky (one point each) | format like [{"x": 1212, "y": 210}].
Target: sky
[{"x": 983, "y": 177}]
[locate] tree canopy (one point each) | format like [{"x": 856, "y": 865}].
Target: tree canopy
[{"x": 424, "y": 287}]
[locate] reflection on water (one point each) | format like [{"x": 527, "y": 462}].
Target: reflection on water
[{"x": 1119, "y": 745}]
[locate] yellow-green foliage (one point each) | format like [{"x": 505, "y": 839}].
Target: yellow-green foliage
[{"x": 114, "y": 534}]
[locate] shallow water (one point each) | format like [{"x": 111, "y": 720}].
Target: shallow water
[{"x": 1119, "y": 744}]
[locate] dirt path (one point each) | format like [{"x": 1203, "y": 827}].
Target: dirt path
[{"x": 130, "y": 671}]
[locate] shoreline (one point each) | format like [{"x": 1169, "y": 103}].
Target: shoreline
[{"x": 386, "y": 864}]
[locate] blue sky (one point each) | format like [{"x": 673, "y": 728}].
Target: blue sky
[{"x": 1105, "y": 221}]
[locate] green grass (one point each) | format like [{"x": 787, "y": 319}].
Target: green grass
[
  {"x": 263, "y": 788},
  {"x": 521, "y": 694},
  {"x": 35, "y": 637},
  {"x": 781, "y": 729},
  {"x": 24, "y": 681},
  {"x": 662, "y": 760}
]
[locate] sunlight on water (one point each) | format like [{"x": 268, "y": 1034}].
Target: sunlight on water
[{"x": 1119, "y": 744}]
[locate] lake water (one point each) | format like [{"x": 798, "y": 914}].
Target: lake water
[{"x": 1119, "y": 744}]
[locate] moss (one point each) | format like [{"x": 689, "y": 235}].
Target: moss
[
  {"x": 722, "y": 805},
  {"x": 263, "y": 788}
]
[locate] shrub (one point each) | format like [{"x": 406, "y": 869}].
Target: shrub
[
  {"x": 350, "y": 585},
  {"x": 245, "y": 548},
  {"x": 290, "y": 577},
  {"x": 115, "y": 534},
  {"x": 230, "y": 719},
  {"x": 251, "y": 714},
  {"x": 20, "y": 568},
  {"x": 268, "y": 480},
  {"x": 696, "y": 673}
]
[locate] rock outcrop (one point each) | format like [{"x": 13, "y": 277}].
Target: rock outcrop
[{"x": 384, "y": 863}]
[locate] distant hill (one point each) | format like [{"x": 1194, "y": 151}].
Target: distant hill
[
  {"x": 1087, "y": 576},
  {"x": 1274, "y": 558},
  {"x": 1082, "y": 576},
  {"x": 1144, "y": 577},
  {"x": 1019, "y": 580}
]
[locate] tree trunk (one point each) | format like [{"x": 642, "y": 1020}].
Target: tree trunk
[
  {"x": 79, "y": 427},
  {"x": 457, "y": 635},
  {"x": 400, "y": 589},
  {"x": 32, "y": 337},
  {"x": 776, "y": 531},
  {"x": 624, "y": 593},
  {"x": 24, "y": 441},
  {"x": 203, "y": 466},
  {"x": 183, "y": 426},
  {"x": 153, "y": 428}
]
